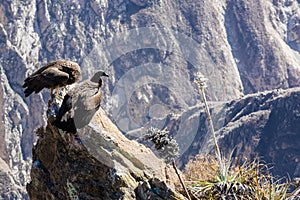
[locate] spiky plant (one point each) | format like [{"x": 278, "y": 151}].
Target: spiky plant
[{"x": 251, "y": 180}]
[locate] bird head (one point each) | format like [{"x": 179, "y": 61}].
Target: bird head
[{"x": 97, "y": 76}]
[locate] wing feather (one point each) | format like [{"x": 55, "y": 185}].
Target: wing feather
[
  {"x": 85, "y": 108},
  {"x": 53, "y": 77},
  {"x": 65, "y": 116},
  {"x": 55, "y": 74},
  {"x": 49, "y": 78},
  {"x": 93, "y": 102}
]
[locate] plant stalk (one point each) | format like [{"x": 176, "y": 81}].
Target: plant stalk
[
  {"x": 211, "y": 126},
  {"x": 180, "y": 179}
]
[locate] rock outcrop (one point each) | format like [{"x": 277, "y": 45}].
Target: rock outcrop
[
  {"x": 265, "y": 125},
  {"x": 100, "y": 163}
]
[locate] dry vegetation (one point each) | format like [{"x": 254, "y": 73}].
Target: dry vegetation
[{"x": 250, "y": 180}]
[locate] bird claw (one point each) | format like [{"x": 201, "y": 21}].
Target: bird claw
[
  {"x": 49, "y": 102},
  {"x": 59, "y": 97}
]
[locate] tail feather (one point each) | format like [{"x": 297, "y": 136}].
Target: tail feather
[
  {"x": 68, "y": 126},
  {"x": 65, "y": 107},
  {"x": 64, "y": 120},
  {"x": 28, "y": 92}
]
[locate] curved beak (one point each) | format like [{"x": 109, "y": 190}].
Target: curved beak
[{"x": 104, "y": 74}]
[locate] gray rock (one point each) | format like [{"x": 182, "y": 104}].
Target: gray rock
[
  {"x": 265, "y": 125},
  {"x": 99, "y": 163}
]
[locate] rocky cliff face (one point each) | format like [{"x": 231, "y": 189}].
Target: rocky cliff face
[
  {"x": 265, "y": 125},
  {"x": 272, "y": 59},
  {"x": 242, "y": 47}
]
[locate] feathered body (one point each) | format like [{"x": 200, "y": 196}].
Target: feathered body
[
  {"x": 54, "y": 75},
  {"x": 80, "y": 104}
]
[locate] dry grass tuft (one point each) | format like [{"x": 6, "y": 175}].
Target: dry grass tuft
[{"x": 250, "y": 180}]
